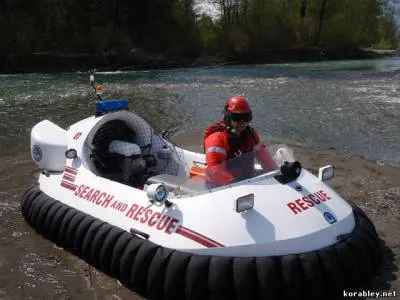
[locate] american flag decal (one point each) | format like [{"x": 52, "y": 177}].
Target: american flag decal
[{"x": 69, "y": 178}]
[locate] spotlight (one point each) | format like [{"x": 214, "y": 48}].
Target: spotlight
[
  {"x": 157, "y": 193},
  {"x": 244, "y": 203},
  {"x": 326, "y": 173}
]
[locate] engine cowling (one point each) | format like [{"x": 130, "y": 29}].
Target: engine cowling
[{"x": 48, "y": 146}]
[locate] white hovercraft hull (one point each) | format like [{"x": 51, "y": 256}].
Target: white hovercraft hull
[{"x": 199, "y": 247}]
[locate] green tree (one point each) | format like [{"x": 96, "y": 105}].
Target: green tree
[{"x": 172, "y": 28}]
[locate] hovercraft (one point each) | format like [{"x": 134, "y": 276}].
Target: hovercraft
[{"x": 119, "y": 195}]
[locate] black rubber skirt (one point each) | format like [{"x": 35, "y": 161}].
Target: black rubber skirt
[{"x": 155, "y": 272}]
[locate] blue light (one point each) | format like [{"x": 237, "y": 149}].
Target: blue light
[{"x": 106, "y": 106}]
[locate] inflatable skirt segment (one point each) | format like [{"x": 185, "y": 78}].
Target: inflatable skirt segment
[{"x": 156, "y": 272}]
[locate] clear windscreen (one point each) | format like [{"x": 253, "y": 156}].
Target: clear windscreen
[
  {"x": 251, "y": 164},
  {"x": 242, "y": 166}
]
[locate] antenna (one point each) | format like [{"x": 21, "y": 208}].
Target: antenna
[{"x": 98, "y": 89}]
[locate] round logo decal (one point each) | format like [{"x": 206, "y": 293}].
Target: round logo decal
[
  {"x": 330, "y": 218},
  {"x": 36, "y": 153}
]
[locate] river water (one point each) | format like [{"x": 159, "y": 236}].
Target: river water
[{"x": 351, "y": 106}]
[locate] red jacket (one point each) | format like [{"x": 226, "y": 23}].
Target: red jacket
[{"x": 220, "y": 145}]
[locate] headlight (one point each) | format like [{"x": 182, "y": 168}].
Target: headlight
[
  {"x": 244, "y": 203},
  {"x": 157, "y": 193},
  {"x": 326, "y": 173}
]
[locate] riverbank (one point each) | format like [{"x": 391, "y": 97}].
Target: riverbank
[{"x": 139, "y": 60}]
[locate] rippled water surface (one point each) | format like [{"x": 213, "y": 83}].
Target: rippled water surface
[
  {"x": 352, "y": 106},
  {"x": 349, "y": 105}
]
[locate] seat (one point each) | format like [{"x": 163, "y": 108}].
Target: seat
[
  {"x": 130, "y": 160},
  {"x": 105, "y": 162}
]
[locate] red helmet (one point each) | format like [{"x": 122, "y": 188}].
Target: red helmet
[
  {"x": 237, "y": 109},
  {"x": 237, "y": 104}
]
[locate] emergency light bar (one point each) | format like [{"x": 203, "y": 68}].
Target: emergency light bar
[{"x": 106, "y": 106}]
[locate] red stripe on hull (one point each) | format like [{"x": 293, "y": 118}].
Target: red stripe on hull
[
  {"x": 69, "y": 186},
  {"x": 68, "y": 178},
  {"x": 70, "y": 171},
  {"x": 198, "y": 238}
]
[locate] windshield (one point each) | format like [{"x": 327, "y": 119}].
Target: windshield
[
  {"x": 248, "y": 165},
  {"x": 241, "y": 167}
]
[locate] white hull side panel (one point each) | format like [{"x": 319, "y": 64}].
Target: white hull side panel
[{"x": 271, "y": 228}]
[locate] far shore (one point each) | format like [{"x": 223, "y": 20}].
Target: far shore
[{"x": 50, "y": 62}]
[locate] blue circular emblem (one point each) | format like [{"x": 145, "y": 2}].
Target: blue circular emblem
[
  {"x": 36, "y": 153},
  {"x": 330, "y": 218}
]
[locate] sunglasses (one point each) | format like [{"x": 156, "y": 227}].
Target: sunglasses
[{"x": 245, "y": 117}]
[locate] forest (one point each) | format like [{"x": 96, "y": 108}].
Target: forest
[{"x": 175, "y": 29}]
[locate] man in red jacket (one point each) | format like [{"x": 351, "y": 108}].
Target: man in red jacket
[{"x": 231, "y": 146}]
